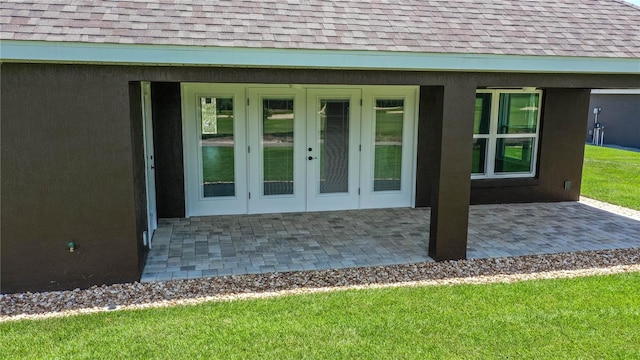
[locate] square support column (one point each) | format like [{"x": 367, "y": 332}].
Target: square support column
[{"x": 446, "y": 116}]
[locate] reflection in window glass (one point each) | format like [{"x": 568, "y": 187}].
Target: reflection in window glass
[
  {"x": 334, "y": 146},
  {"x": 387, "y": 165},
  {"x": 277, "y": 146},
  {"x": 479, "y": 156},
  {"x": 518, "y": 113},
  {"x": 513, "y": 155},
  {"x": 217, "y": 146},
  {"x": 482, "y": 117}
]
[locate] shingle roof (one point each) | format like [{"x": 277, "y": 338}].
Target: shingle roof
[{"x": 591, "y": 28}]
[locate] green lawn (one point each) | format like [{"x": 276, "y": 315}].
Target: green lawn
[
  {"x": 612, "y": 175},
  {"x": 593, "y": 317}
]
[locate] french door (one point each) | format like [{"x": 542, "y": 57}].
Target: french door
[
  {"x": 268, "y": 149},
  {"x": 388, "y": 147},
  {"x": 276, "y": 149},
  {"x": 214, "y": 149},
  {"x": 333, "y": 147}
]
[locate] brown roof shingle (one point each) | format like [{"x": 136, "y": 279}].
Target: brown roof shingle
[{"x": 597, "y": 28}]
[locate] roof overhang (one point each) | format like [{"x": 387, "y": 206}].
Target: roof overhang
[{"x": 172, "y": 55}]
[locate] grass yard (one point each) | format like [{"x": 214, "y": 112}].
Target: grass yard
[
  {"x": 612, "y": 175},
  {"x": 593, "y": 317}
]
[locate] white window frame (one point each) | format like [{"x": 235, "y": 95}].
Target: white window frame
[{"x": 493, "y": 136}]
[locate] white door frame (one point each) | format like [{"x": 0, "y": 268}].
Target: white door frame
[{"x": 149, "y": 162}]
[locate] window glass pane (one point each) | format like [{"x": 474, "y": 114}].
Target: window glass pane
[
  {"x": 479, "y": 156},
  {"x": 513, "y": 155},
  {"x": 518, "y": 113},
  {"x": 387, "y": 162},
  {"x": 483, "y": 113},
  {"x": 277, "y": 146},
  {"x": 334, "y": 146},
  {"x": 217, "y": 145}
]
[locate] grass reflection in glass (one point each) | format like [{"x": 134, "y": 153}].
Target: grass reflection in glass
[
  {"x": 388, "y": 144},
  {"x": 277, "y": 146},
  {"x": 218, "y": 163}
]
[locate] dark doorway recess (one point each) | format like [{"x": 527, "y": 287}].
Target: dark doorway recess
[{"x": 167, "y": 140}]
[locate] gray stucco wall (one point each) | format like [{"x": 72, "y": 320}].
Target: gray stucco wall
[{"x": 620, "y": 116}]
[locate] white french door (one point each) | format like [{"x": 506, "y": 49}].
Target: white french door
[
  {"x": 215, "y": 149},
  {"x": 333, "y": 143},
  {"x": 276, "y": 149},
  {"x": 279, "y": 148},
  {"x": 388, "y": 153}
]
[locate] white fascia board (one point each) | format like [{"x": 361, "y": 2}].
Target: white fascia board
[
  {"x": 132, "y": 54},
  {"x": 615, "y": 91}
]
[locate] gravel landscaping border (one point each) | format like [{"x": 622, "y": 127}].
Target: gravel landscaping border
[{"x": 156, "y": 294}]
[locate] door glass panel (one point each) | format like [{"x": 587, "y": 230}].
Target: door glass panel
[
  {"x": 518, "y": 113},
  {"x": 217, "y": 145},
  {"x": 513, "y": 155},
  {"x": 334, "y": 146},
  {"x": 483, "y": 113},
  {"x": 277, "y": 146},
  {"x": 479, "y": 156},
  {"x": 387, "y": 163}
]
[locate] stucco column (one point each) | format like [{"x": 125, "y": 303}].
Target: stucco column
[{"x": 446, "y": 134}]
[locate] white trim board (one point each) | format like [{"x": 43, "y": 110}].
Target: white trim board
[
  {"x": 615, "y": 92},
  {"x": 133, "y": 54}
]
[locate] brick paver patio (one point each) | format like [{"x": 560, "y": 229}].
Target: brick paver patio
[{"x": 243, "y": 244}]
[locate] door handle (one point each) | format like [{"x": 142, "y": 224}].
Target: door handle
[{"x": 311, "y": 158}]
